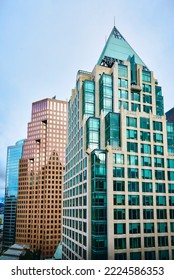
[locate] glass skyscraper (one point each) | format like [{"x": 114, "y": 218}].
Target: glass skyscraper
[
  {"x": 14, "y": 153},
  {"x": 119, "y": 177}
]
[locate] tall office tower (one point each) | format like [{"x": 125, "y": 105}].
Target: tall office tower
[
  {"x": 119, "y": 181},
  {"x": 14, "y": 153},
  {"x": 170, "y": 115},
  {"x": 39, "y": 211}
]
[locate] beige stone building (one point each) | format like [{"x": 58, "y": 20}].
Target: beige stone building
[{"x": 39, "y": 210}]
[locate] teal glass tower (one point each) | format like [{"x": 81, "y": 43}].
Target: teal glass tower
[
  {"x": 14, "y": 153},
  {"x": 119, "y": 180}
]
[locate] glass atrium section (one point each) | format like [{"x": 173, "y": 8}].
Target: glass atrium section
[
  {"x": 112, "y": 129},
  {"x": 88, "y": 97},
  {"x": 93, "y": 133},
  {"x": 159, "y": 101},
  {"x": 98, "y": 205},
  {"x": 106, "y": 93}
]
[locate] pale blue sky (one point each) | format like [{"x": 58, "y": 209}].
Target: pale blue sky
[{"x": 43, "y": 43}]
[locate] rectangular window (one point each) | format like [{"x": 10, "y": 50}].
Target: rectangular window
[
  {"x": 160, "y": 200},
  {"x": 135, "y": 255},
  {"x": 134, "y": 214},
  {"x": 133, "y": 200},
  {"x": 120, "y": 228},
  {"x": 150, "y": 255},
  {"x": 131, "y": 134},
  {"x": 147, "y": 200},
  {"x": 131, "y": 121},
  {"x": 135, "y": 96},
  {"x": 158, "y": 150},
  {"x": 170, "y": 175},
  {"x": 172, "y": 227},
  {"x": 147, "y": 109},
  {"x": 157, "y": 126},
  {"x": 122, "y": 93},
  {"x": 159, "y": 175},
  {"x": 171, "y": 188},
  {"x": 158, "y": 162},
  {"x": 144, "y": 123},
  {"x": 135, "y": 107},
  {"x": 146, "y": 174},
  {"x": 145, "y": 148},
  {"x": 145, "y": 136},
  {"x": 119, "y": 243},
  {"x": 162, "y": 241},
  {"x": 147, "y": 98},
  {"x": 160, "y": 187},
  {"x": 119, "y": 186},
  {"x": 134, "y": 228},
  {"x": 171, "y": 200},
  {"x": 118, "y": 159},
  {"x": 146, "y": 88},
  {"x": 132, "y": 147},
  {"x": 157, "y": 137},
  {"x": 135, "y": 242},
  {"x": 148, "y": 227},
  {"x": 133, "y": 173},
  {"x": 122, "y": 70},
  {"x": 132, "y": 160},
  {"x": 170, "y": 163},
  {"x": 149, "y": 241},
  {"x": 146, "y": 161},
  {"x": 122, "y": 83},
  {"x": 148, "y": 214},
  {"x": 133, "y": 186},
  {"x": 118, "y": 172},
  {"x": 146, "y": 76},
  {"x": 123, "y": 104},
  {"x": 161, "y": 214},
  {"x": 162, "y": 227},
  {"x": 119, "y": 214},
  {"x": 118, "y": 199},
  {"x": 147, "y": 187}
]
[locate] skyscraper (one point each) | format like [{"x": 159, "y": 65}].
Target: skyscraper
[
  {"x": 39, "y": 210},
  {"x": 14, "y": 153},
  {"x": 119, "y": 178}
]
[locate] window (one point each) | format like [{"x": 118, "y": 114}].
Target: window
[
  {"x": 146, "y": 88},
  {"x": 170, "y": 163},
  {"x": 135, "y": 96},
  {"x": 131, "y": 134},
  {"x": 119, "y": 199},
  {"x": 145, "y": 136},
  {"x": 147, "y": 109},
  {"x": 171, "y": 188},
  {"x": 146, "y": 174},
  {"x": 119, "y": 186},
  {"x": 122, "y": 83},
  {"x": 145, "y": 149},
  {"x": 134, "y": 214},
  {"x": 158, "y": 162},
  {"x": 122, "y": 70},
  {"x": 118, "y": 159},
  {"x": 133, "y": 173},
  {"x": 157, "y": 126},
  {"x": 135, "y": 107},
  {"x": 163, "y": 255},
  {"x": 131, "y": 121},
  {"x": 133, "y": 200},
  {"x": 172, "y": 227},
  {"x": 159, "y": 175},
  {"x": 119, "y": 243},
  {"x": 123, "y": 104},
  {"x": 135, "y": 255},
  {"x": 158, "y": 150},
  {"x": 161, "y": 214},
  {"x": 118, "y": 172},
  {"x": 123, "y": 93},
  {"x": 171, "y": 200},
  {"x": 148, "y": 214},
  {"x": 158, "y": 138},
  {"x": 147, "y": 98},
  {"x": 120, "y": 256},
  {"x": 119, "y": 214},
  {"x": 149, "y": 241},
  {"x": 160, "y": 200},
  {"x": 146, "y": 187},
  {"x": 170, "y": 175},
  {"x": 160, "y": 187},
  {"x": 135, "y": 242},
  {"x": 162, "y": 227},
  {"x": 144, "y": 123},
  {"x": 132, "y": 160},
  {"x": 150, "y": 255},
  {"x": 120, "y": 228},
  {"x": 162, "y": 241},
  {"x": 133, "y": 186},
  {"x": 134, "y": 228},
  {"x": 146, "y": 76},
  {"x": 132, "y": 147},
  {"x": 148, "y": 227},
  {"x": 147, "y": 200},
  {"x": 171, "y": 211},
  {"x": 146, "y": 161}
]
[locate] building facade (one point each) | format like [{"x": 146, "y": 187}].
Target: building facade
[
  {"x": 14, "y": 153},
  {"x": 39, "y": 210},
  {"x": 119, "y": 178}
]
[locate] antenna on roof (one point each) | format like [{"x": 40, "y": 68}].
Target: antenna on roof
[
  {"x": 54, "y": 97},
  {"x": 114, "y": 20}
]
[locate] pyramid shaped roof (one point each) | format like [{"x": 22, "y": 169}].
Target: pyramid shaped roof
[{"x": 117, "y": 49}]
